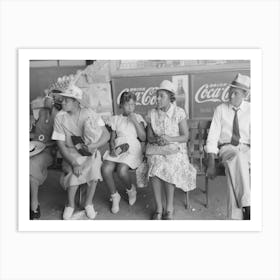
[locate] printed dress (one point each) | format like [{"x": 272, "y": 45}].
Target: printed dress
[
  {"x": 64, "y": 128},
  {"x": 126, "y": 133},
  {"x": 175, "y": 168}
]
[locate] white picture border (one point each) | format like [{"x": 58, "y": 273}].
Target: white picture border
[{"x": 254, "y": 55}]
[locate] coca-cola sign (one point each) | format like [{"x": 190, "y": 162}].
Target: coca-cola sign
[
  {"x": 144, "y": 89},
  {"x": 144, "y": 96},
  {"x": 212, "y": 93},
  {"x": 209, "y": 90}
]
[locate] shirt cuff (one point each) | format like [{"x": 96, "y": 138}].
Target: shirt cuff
[
  {"x": 211, "y": 149},
  {"x": 58, "y": 136}
]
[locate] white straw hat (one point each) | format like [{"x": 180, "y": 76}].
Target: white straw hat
[
  {"x": 167, "y": 85},
  {"x": 36, "y": 147},
  {"x": 73, "y": 92},
  {"x": 241, "y": 81}
]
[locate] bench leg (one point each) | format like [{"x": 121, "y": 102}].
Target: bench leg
[
  {"x": 206, "y": 191},
  {"x": 187, "y": 200}
]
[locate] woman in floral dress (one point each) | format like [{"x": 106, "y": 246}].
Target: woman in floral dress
[{"x": 167, "y": 125}]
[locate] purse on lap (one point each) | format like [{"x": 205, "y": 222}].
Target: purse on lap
[
  {"x": 153, "y": 149},
  {"x": 80, "y": 145}
]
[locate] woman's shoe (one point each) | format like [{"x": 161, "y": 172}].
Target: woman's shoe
[
  {"x": 35, "y": 214},
  {"x": 68, "y": 212},
  {"x": 169, "y": 215},
  {"x": 157, "y": 216},
  {"x": 131, "y": 195},
  {"x": 115, "y": 198},
  {"x": 91, "y": 213}
]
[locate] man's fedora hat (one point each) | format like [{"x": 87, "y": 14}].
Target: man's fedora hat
[{"x": 241, "y": 81}]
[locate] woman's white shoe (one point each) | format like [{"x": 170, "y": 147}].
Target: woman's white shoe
[
  {"x": 131, "y": 195},
  {"x": 68, "y": 212},
  {"x": 91, "y": 213},
  {"x": 115, "y": 198}
]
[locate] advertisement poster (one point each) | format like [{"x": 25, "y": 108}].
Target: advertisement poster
[
  {"x": 98, "y": 96},
  {"x": 145, "y": 90},
  {"x": 208, "y": 90}
]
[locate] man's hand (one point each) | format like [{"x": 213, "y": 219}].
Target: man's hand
[{"x": 211, "y": 169}]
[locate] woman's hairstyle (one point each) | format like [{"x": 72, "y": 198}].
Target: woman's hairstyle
[
  {"x": 126, "y": 97},
  {"x": 171, "y": 95}
]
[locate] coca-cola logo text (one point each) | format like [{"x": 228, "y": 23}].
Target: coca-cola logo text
[
  {"x": 212, "y": 93},
  {"x": 143, "y": 96}
]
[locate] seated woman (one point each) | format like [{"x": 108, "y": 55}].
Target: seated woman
[
  {"x": 44, "y": 111},
  {"x": 125, "y": 149},
  {"x": 81, "y": 158},
  {"x": 168, "y": 166}
]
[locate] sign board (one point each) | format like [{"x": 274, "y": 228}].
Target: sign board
[
  {"x": 145, "y": 90},
  {"x": 207, "y": 90}
]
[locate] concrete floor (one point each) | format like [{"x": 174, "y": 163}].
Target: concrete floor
[{"x": 53, "y": 198}]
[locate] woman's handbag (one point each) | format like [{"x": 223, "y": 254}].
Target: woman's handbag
[
  {"x": 122, "y": 149},
  {"x": 154, "y": 149},
  {"x": 80, "y": 145}
]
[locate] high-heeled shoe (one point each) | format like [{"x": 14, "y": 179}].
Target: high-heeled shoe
[
  {"x": 169, "y": 215},
  {"x": 157, "y": 216}
]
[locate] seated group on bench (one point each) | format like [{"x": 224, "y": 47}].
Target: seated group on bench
[{"x": 79, "y": 132}]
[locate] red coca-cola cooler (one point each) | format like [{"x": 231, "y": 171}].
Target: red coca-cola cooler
[{"x": 207, "y": 90}]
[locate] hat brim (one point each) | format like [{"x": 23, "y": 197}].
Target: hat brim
[
  {"x": 38, "y": 148},
  {"x": 240, "y": 87},
  {"x": 166, "y": 90},
  {"x": 70, "y": 95}
]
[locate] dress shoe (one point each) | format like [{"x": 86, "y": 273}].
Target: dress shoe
[
  {"x": 35, "y": 214},
  {"x": 247, "y": 213},
  {"x": 157, "y": 216}
]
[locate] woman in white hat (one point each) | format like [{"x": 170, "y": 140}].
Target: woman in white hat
[
  {"x": 82, "y": 161},
  {"x": 167, "y": 125}
]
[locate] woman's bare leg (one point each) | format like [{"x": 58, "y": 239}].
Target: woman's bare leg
[
  {"x": 157, "y": 185},
  {"x": 107, "y": 170},
  {"x": 90, "y": 192}
]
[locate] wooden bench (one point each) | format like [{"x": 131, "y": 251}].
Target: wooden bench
[{"x": 198, "y": 132}]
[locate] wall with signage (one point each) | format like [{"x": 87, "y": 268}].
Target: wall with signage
[
  {"x": 207, "y": 90},
  {"x": 145, "y": 90},
  {"x": 198, "y": 93}
]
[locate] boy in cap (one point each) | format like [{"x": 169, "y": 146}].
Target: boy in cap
[{"x": 229, "y": 137}]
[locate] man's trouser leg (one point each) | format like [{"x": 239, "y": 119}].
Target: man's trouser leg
[{"x": 236, "y": 160}]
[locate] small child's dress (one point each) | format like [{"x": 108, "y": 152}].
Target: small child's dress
[{"x": 126, "y": 133}]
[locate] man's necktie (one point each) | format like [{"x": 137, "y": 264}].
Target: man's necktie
[{"x": 235, "y": 129}]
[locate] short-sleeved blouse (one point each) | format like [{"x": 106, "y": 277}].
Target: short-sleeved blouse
[{"x": 64, "y": 128}]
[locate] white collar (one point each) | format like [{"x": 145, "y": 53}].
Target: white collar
[
  {"x": 241, "y": 107},
  {"x": 170, "y": 111}
]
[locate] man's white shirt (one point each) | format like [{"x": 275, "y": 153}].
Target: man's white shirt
[{"x": 221, "y": 126}]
